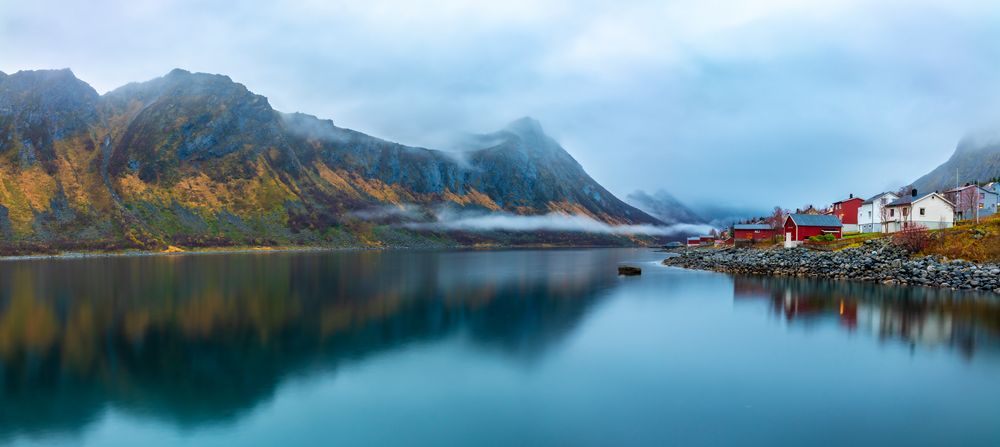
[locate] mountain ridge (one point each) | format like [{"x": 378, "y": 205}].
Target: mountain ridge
[
  {"x": 198, "y": 159},
  {"x": 976, "y": 159}
]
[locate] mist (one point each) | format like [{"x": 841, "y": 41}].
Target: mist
[
  {"x": 502, "y": 221},
  {"x": 645, "y": 94}
]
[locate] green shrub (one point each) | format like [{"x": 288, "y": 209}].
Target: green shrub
[{"x": 822, "y": 238}]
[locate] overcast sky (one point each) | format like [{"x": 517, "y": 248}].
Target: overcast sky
[{"x": 750, "y": 102}]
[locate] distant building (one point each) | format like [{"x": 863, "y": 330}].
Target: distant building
[
  {"x": 870, "y": 213},
  {"x": 707, "y": 240},
  {"x": 799, "y": 227},
  {"x": 932, "y": 210},
  {"x": 756, "y": 232},
  {"x": 973, "y": 201},
  {"x": 693, "y": 241},
  {"x": 847, "y": 212},
  {"x": 993, "y": 186}
]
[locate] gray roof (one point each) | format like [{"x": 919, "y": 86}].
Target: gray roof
[
  {"x": 751, "y": 227},
  {"x": 908, "y": 199},
  {"x": 872, "y": 199},
  {"x": 815, "y": 220}
]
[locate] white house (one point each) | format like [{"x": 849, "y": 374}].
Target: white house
[
  {"x": 870, "y": 213},
  {"x": 931, "y": 210}
]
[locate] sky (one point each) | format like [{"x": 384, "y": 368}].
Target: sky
[{"x": 750, "y": 103}]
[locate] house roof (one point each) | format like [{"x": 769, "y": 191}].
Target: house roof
[
  {"x": 847, "y": 200},
  {"x": 815, "y": 220},
  {"x": 876, "y": 196},
  {"x": 962, "y": 188},
  {"x": 752, "y": 227},
  {"x": 694, "y": 238},
  {"x": 906, "y": 200}
]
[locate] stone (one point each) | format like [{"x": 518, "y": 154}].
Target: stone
[{"x": 628, "y": 270}]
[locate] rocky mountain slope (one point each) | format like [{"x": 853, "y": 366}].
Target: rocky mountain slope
[
  {"x": 977, "y": 158},
  {"x": 664, "y": 207},
  {"x": 196, "y": 159}
]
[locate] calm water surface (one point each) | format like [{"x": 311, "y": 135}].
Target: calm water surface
[{"x": 482, "y": 348}]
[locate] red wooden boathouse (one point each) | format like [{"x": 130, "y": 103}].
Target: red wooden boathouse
[{"x": 799, "y": 227}]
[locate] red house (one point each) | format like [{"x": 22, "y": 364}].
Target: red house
[
  {"x": 693, "y": 241},
  {"x": 754, "y": 232},
  {"x": 799, "y": 227},
  {"x": 847, "y": 212},
  {"x": 707, "y": 240}
]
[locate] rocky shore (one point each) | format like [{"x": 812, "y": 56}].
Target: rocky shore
[{"x": 875, "y": 261}]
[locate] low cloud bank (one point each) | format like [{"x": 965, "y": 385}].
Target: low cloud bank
[
  {"x": 403, "y": 212},
  {"x": 549, "y": 222}
]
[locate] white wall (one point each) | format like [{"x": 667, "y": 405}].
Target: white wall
[
  {"x": 870, "y": 214},
  {"x": 937, "y": 214}
]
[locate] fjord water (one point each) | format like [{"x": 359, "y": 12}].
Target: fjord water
[{"x": 521, "y": 347}]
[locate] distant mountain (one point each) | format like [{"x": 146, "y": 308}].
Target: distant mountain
[
  {"x": 665, "y": 207},
  {"x": 977, "y": 158},
  {"x": 197, "y": 159}
]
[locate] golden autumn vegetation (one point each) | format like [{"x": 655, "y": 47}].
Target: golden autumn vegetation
[
  {"x": 967, "y": 240},
  {"x": 195, "y": 160}
]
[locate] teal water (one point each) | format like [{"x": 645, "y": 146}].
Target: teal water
[{"x": 519, "y": 347}]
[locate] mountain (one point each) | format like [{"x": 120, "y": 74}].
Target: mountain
[
  {"x": 977, "y": 158},
  {"x": 197, "y": 159},
  {"x": 664, "y": 207}
]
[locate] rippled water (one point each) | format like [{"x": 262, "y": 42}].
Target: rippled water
[{"x": 482, "y": 348}]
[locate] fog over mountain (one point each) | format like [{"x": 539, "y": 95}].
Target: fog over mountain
[
  {"x": 976, "y": 159},
  {"x": 835, "y": 95},
  {"x": 665, "y": 207},
  {"x": 196, "y": 159}
]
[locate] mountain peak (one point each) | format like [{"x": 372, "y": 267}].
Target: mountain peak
[
  {"x": 526, "y": 126},
  {"x": 61, "y": 77}
]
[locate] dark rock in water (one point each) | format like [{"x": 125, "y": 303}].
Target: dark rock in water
[{"x": 628, "y": 270}]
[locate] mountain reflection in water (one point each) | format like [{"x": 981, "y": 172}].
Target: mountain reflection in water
[
  {"x": 538, "y": 347},
  {"x": 926, "y": 317},
  {"x": 198, "y": 339}
]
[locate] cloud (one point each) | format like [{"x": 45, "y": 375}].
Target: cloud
[
  {"x": 404, "y": 212},
  {"x": 633, "y": 89},
  {"x": 479, "y": 222}
]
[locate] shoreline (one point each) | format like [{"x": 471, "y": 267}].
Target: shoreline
[
  {"x": 874, "y": 262},
  {"x": 70, "y": 255}
]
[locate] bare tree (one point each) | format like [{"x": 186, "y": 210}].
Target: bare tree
[
  {"x": 777, "y": 218},
  {"x": 966, "y": 202},
  {"x": 885, "y": 213}
]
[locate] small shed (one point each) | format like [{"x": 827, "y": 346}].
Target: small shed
[
  {"x": 755, "y": 232},
  {"x": 799, "y": 227}
]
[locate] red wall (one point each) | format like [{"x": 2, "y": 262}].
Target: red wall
[
  {"x": 742, "y": 235},
  {"x": 807, "y": 232},
  {"x": 848, "y": 210}
]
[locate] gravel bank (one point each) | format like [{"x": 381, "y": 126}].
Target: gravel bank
[{"x": 875, "y": 261}]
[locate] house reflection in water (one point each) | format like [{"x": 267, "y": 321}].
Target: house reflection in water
[{"x": 919, "y": 316}]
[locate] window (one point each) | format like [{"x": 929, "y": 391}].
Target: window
[
  {"x": 869, "y": 214},
  {"x": 982, "y": 195},
  {"x": 980, "y": 205},
  {"x": 921, "y": 211},
  {"x": 884, "y": 200},
  {"x": 905, "y": 212},
  {"x": 892, "y": 212}
]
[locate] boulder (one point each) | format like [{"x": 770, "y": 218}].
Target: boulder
[{"x": 629, "y": 270}]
